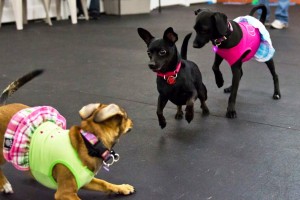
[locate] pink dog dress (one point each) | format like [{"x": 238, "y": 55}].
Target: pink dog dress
[
  {"x": 20, "y": 129},
  {"x": 255, "y": 38}
]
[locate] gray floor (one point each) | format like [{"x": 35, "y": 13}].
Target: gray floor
[{"x": 253, "y": 157}]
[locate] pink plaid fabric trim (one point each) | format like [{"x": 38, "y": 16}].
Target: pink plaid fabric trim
[{"x": 20, "y": 129}]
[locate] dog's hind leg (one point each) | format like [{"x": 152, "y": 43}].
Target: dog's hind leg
[
  {"x": 271, "y": 67},
  {"x": 202, "y": 95},
  {"x": 179, "y": 114},
  {"x": 189, "y": 109},
  {"x": 5, "y": 186},
  {"x": 104, "y": 186}
]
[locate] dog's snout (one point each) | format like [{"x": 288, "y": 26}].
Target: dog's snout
[
  {"x": 198, "y": 45},
  {"x": 152, "y": 65},
  {"x": 195, "y": 45},
  {"x": 200, "y": 41}
]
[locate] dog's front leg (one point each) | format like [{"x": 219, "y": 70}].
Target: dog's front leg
[
  {"x": 189, "y": 110},
  {"x": 161, "y": 103},
  {"x": 66, "y": 184},
  {"x": 228, "y": 89},
  {"x": 236, "y": 77},
  {"x": 216, "y": 69},
  {"x": 104, "y": 186}
]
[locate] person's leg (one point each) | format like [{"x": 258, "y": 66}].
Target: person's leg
[
  {"x": 94, "y": 9},
  {"x": 79, "y": 8},
  {"x": 94, "y": 5},
  {"x": 281, "y": 15},
  {"x": 281, "y": 12}
]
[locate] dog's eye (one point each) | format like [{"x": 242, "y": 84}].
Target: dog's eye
[
  {"x": 162, "y": 52},
  {"x": 149, "y": 54}
]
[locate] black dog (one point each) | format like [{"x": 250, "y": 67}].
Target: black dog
[
  {"x": 178, "y": 79},
  {"x": 224, "y": 35}
]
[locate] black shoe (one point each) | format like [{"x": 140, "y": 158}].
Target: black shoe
[{"x": 94, "y": 14}]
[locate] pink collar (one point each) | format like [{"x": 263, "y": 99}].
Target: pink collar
[{"x": 170, "y": 77}]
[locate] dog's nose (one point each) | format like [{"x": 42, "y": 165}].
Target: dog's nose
[
  {"x": 151, "y": 65},
  {"x": 196, "y": 45}
]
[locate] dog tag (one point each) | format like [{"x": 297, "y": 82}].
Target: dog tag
[
  {"x": 106, "y": 168},
  {"x": 8, "y": 143},
  {"x": 171, "y": 80}
]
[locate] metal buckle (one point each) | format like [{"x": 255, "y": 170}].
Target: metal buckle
[
  {"x": 171, "y": 76},
  {"x": 219, "y": 41},
  {"x": 112, "y": 158}
]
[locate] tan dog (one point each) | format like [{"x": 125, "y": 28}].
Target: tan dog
[{"x": 91, "y": 141}]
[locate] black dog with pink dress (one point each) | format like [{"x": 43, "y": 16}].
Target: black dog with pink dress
[{"x": 236, "y": 41}]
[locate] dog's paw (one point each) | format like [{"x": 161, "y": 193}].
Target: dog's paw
[
  {"x": 227, "y": 90},
  {"x": 162, "y": 125},
  {"x": 205, "y": 111},
  {"x": 231, "y": 114},
  {"x": 276, "y": 96},
  {"x": 162, "y": 122},
  {"x": 220, "y": 82},
  {"x": 179, "y": 115},
  {"x": 219, "y": 78},
  {"x": 7, "y": 188},
  {"x": 189, "y": 114},
  {"x": 125, "y": 189}
]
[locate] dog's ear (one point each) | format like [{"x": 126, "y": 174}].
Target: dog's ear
[
  {"x": 170, "y": 35},
  {"x": 107, "y": 112},
  {"x": 87, "y": 111},
  {"x": 221, "y": 23},
  {"x": 197, "y": 11},
  {"x": 145, "y": 35}
]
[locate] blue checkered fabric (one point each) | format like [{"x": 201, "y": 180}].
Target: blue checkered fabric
[{"x": 266, "y": 50}]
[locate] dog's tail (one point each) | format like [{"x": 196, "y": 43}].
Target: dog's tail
[
  {"x": 15, "y": 85},
  {"x": 263, "y": 15},
  {"x": 184, "y": 46}
]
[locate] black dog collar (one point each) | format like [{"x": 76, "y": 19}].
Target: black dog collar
[
  {"x": 97, "y": 149},
  {"x": 218, "y": 42}
]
